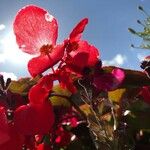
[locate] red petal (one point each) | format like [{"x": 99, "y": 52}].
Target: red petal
[
  {"x": 34, "y": 119},
  {"x": 66, "y": 81},
  {"x": 44, "y": 147},
  {"x": 34, "y": 27},
  {"x": 4, "y": 135},
  {"x": 15, "y": 142},
  {"x": 75, "y": 35},
  {"x": 84, "y": 56},
  {"x": 41, "y": 63},
  {"x": 93, "y": 55},
  {"x": 10, "y": 139},
  {"x": 39, "y": 93}
]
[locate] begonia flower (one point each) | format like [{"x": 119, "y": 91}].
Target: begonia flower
[
  {"x": 80, "y": 53},
  {"x": 39, "y": 92},
  {"x": 10, "y": 138},
  {"x": 36, "y": 33},
  {"x": 34, "y": 119},
  {"x": 66, "y": 81},
  {"x": 63, "y": 137},
  {"x": 37, "y": 117}
]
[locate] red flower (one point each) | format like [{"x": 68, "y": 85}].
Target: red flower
[
  {"x": 80, "y": 54},
  {"x": 65, "y": 80},
  {"x": 84, "y": 56},
  {"x": 43, "y": 147},
  {"x": 76, "y": 33},
  {"x": 63, "y": 137},
  {"x": 39, "y": 92},
  {"x": 36, "y": 33},
  {"x": 109, "y": 81},
  {"x": 34, "y": 119},
  {"x": 37, "y": 117},
  {"x": 10, "y": 138}
]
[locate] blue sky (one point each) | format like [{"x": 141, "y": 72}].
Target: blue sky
[{"x": 107, "y": 29}]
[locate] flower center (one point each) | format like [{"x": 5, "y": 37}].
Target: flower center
[
  {"x": 72, "y": 46},
  {"x": 46, "y": 49}
]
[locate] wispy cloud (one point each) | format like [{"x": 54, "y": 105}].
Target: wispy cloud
[
  {"x": 2, "y": 27},
  {"x": 118, "y": 60},
  {"x": 8, "y": 75}
]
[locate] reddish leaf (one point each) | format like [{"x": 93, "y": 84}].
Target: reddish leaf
[{"x": 109, "y": 81}]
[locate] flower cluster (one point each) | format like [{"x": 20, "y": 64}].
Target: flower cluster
[{"x": 71, "y": 100}]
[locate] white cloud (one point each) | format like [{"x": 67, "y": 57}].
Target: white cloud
[
  {"x": 8, "y": 75},
  {"x": 118, "y": 60},
  {"x": 11, "y": 52},
  {"x": 141, "y": 56},
  {"x": 2, "y": 58},
  {"x": 2, "y": 27}
]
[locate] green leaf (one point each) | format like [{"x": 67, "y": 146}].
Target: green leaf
[
  {"x": 58, "y": 100},
  {"x": 139, "y": 118},
  {"x": 23, "y": 85},
  {"x": 116, "y": 95}
]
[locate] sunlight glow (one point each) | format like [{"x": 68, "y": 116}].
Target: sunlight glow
[
  {"x": 10, "y": 51},
  {"x": 2, "y": 26}
]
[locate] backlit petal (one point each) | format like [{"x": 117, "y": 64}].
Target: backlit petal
[
  {"x": 34, "y": 27},
  {"x": 38, "y": 65},
  {"x": 39, "y": 92},
  {"x": 85, "y": 55},
  {"x": 75, "y": 35}
]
